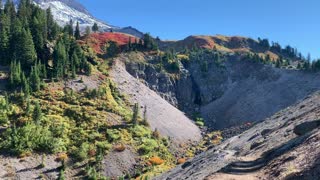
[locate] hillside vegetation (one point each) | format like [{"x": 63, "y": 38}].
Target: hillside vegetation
[
  {"x": 110, "y": 105},
  {"x": 58, "y": 102}
]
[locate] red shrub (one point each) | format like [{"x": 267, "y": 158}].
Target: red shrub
[{"x": 98, "y": 40}]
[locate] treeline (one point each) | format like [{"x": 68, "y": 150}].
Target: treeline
[
  {"x": 147, "y": 43},
  {"x": 275, "y": 47},
  {"x": 28, "y": 35}
]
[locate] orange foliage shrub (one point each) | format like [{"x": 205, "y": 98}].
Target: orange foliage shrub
[
  {"x": 156, "y": 161},
  {"x": 181, "y": 161}
]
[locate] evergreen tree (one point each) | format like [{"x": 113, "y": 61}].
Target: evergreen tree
[
  {"x": 59, "y": 59},
  {"x": 9, "y": 10},
  {"x": 52, "y": 27},
  {"x": 25, "y": 50},
  {"x": 23, "y": 12},
  {"x": 28, "y": 108},
  {"x": 4, "y": 45},
  {"x": 299, "y": 66},
  {"x": 25, "y": 85},
  {"x": 309, "y": 57},
  {"x": 129, "y": 45},
  {"x": 135, "y": 116},
  {"x": 88, "y": 31},
  {"x": 38, "y": 38},
  {"x": 87, "y": 68},
  {"x": 95, "y": 27},
  {"x": 37, "y": 113},
  {"x": 70, "y": 28},
  {"x": 149, "y": 42},
  {"x": 15, "y": 74},
  {"x": 35, "y": 80},
  {"x": 112, "y": 49},
  {"x": 145, "y": 119},
  {"x": 306, "y": 65},
  {"x": 77, "y": 32},
  {"x": 74, "y": 64}
]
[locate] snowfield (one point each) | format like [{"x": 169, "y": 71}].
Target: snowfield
[{"x": 64, "y": 13}]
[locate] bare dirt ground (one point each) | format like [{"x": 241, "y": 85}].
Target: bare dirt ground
[{"x": 28, "y": 168}]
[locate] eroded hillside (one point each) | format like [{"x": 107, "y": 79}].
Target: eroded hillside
[
  {"x": 225, "y": 89},
  {"x": 284, "y": 146}
]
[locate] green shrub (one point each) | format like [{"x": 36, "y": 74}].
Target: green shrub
[
  {"x": 82, "y": 152},
  {"x": 199, "y": 123},
  {"x": 3, "y": 111},
  {"x": 148, "y": 145},
  {"x": 30, "y": 138},
  {"x": 140, "y": 131},
  {"x": 113, "y": 135}
]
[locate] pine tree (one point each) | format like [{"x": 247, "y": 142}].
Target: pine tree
[
  {"x": 145, "y": 119},
  {"x": 74, "y": 64},
  {"x": 10, "y": 10},
  {"x": 25, "y": 51},
  {"x": 112, "y": 49},
  {"x": 38, "y": 38},
  {"x": 95, "y": 27},
  {"x": 23, "y": 13},
  {"x": 52, "y": 27},
  {"x": 25, "y": 85},
  {"x": 135, "y": 116},
  {"x": 70, "y": 28},
  {"x": 37, "y": 113},
  {"x": 129, "y": 45},
  {"x": 4, "y": 45},
  {"x": 28, "y": 108},
  {"x": 15, "y": 74},
  {"x": 149, "y": 43},
  {"x": 88, "y": 31},
  {"x": 59, "y": 59},
  {"x": 77, "y": 32},
  {"x": 87, "y": 68},
  {"x": 35, "y": 80}
]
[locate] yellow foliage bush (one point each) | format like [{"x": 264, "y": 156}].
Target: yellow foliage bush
[
  {"x": 62, "y": 157},
  {"x": 119, "y": 147}
]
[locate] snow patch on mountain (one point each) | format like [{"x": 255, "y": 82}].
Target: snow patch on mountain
[{"x": 64, "y": 13}]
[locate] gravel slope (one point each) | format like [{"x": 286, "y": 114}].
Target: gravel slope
[
  {"x": 270, "y": 150},
  {"x": 161, "y": 115}
]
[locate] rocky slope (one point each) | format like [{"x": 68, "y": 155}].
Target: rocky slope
[
  {"x": 231, "y": 91},
  {"x": 161, "y": 115},
  {"x": 284, "y": 146}
]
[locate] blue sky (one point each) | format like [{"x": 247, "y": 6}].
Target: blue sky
[{"x": 294, "y": 22}]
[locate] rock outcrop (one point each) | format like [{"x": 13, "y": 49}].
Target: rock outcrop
[
  {"x": 233, "y": 92},
  {"x": 163, "y": 116}
]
